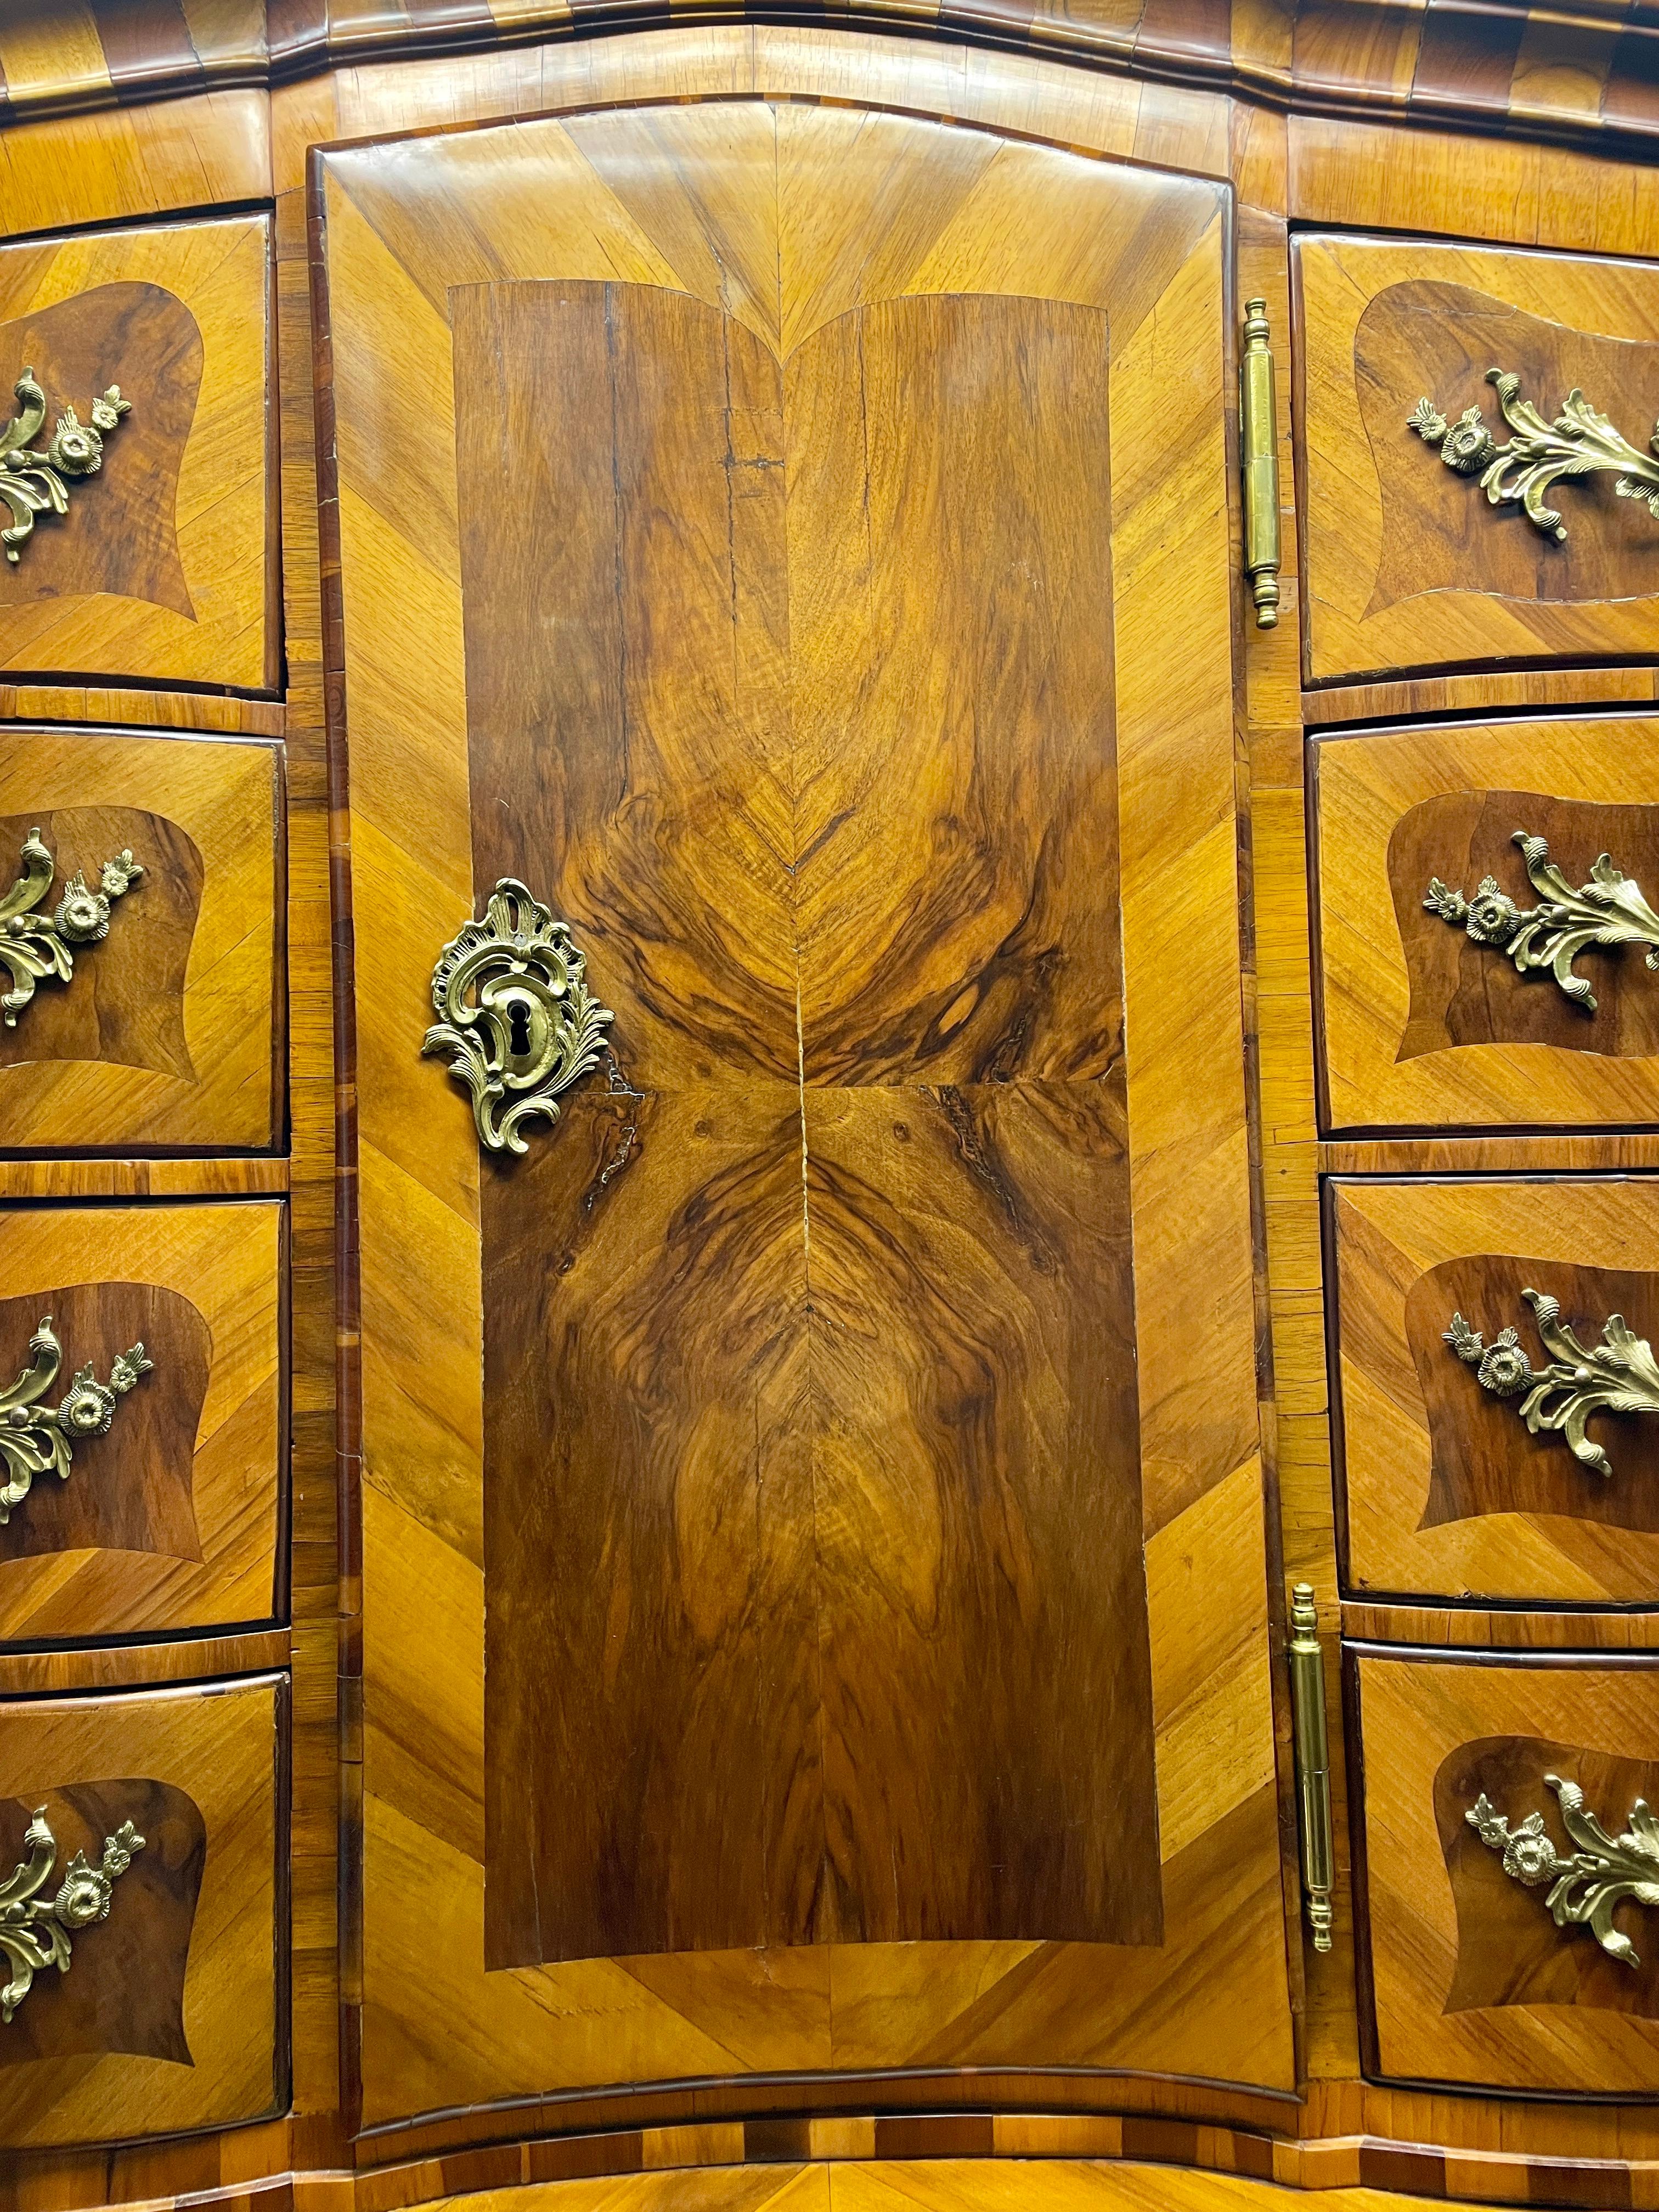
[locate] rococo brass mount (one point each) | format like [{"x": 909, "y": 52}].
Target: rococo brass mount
[
  {"x": 34, "y": 483},
  {"x": 1617, "y": 1376},
  {"x": 1580, "y": 442},
  {"x": 37, "y": 1439},
  {"x": 517, "y": 1018},
  {"x": 35, "y": 1933},
  {"x": 34, "y": 945},
  {"x": 1603, "y": 1871},
  {"x": 1609, "y": 910}
]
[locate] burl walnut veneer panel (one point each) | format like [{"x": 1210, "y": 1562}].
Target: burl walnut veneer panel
[
  {"x": 171, "y": 1519},
  {"x": 169, "y": 1032},
  {"x": 1406, "y": 565},
  {"x": 1471, "y": 1981},
  {"x": 162, "y": 569},
  {"x": 170, "y": 2015},
  {"x": 781, "y": 588},
  {"x": 940, "y": 903},
  {"x": 1446, "y": 1493},
  {"x": 1420, "y": 1026}
]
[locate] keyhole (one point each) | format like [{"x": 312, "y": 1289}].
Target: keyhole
[{"x": 518, "y": 1023}]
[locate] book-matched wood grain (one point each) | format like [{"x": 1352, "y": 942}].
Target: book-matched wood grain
[
  {"x": 1419, "y": 1027},
  {"x": 170, "y": 1032},
  {"x": 1407, "y": 566},
  {"x": 172, "y": 1519},
  {"x": 160, "y": 571},
  {"x": 170, "y": 2016},
  {"x": 1465, "y": 1988},
  {"x": 771, "y": 283},
  {"x": 1446, "y": 1493}
]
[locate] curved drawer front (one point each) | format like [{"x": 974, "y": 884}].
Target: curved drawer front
[
  {"x": 1472, "y": 1463},
  {"x": 1485, "y": 926},
  {"x": 140, "y": 1449},
  {"x": 139, "y": 543},
  {"x": 1443, "y": 524},
  {"x": 1499, "y": 1834},
  {"x": 141, "y": 978},
  {"x": 146, "y": 1933}
]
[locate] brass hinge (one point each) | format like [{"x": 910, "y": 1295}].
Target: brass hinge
[
  {"x": 1313, "y": 1763},
  {"x": 1259, "y": 460}
]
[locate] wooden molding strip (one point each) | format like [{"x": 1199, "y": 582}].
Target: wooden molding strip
[
  {"x": 1494, "y": 65},
  {"x": 1330, "y": 2162}
]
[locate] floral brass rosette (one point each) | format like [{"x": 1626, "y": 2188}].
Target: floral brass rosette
[
  {"x": 38, "y": 1440},
  {"x": 34, "y": 944},
  {"x": 1578, "y": 443},
  {"x": 32, "y": 482},
  {"x": 1617, "y": 1376},
  {"x": 1607, "y": 911},
  {"x": 35, "y": 1933},
  {"x": 1600, "y": 1874}
]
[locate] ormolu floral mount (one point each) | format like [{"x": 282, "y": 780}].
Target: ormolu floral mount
[
  {"x": 1609, "y": 910},
  {"x": 1580, "y": 442},
  {"x": 37, "y": 1439},
  {"x": 34, "y": 945},
  {"x": 518, "y": 1022},
  {"x": 35, "y": 1933},
  {"x": 1601, "y": 1873},
  {"x": 1617, "y": 1376},
  {"x": 34, "y": 483}
]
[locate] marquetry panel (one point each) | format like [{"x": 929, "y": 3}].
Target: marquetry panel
[
  {"x": 163, "y": 568},
  {"x": 171, "y": 1519},
  {"x": 1446, "y": 1493},
  {"x": 172, "y": 2013},
  {"x": 1407, "y": 566},
  {"x": 169, "y": 1033},
  {"x": 795, "y": 697},
  {"x": 1471, "y": 1980},
  {"x": 1422, "y": 1026}
]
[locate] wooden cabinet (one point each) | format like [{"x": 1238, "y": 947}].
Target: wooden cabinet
[
  {"x": 805, "y": 1550},
  {"x": 1443, "y": 1003},
  {"x": 165, "y": 2012},
  {"x": 155, "y": 1021},
  {"x": 155, "y": 565},
  {"x": 1446, "y": 1491},
  {"x": 169, "y": 1520},
  {"x": 1505, "y": 1948},
  {"x": 1409, "y": 565}
]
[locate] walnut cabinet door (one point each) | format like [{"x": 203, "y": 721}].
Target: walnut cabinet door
[{"x": 814, "y": 1564}]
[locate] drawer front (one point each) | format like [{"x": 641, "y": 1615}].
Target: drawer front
[
  {"x": 152, "y": 1020},
  {"x": 170, "y": 1518},
  {"x": 1460, "y": 891},
  {"x": 170, "y": 2011},
  {"x": 157, "y": 564},
  {"x": 1409, "y": 563},
  {"x": 1468, "y": 1977},
  {"x": 1460, "y": 1473}
]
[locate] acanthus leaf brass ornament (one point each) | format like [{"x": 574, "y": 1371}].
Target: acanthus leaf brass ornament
[
  {"x": 1313, "y": 1763},
  {"x": 1617, "y": 1376},
  {"x": 37, "y": 1439},
  {"x": 1602, "y": 1872},
  {"x": 519, "y": 1022},
  {"x": 35, "y": 1933},
  {"x": 33, "y": 483},
  {"x": 1259, "y": 458},
  {"x": 34, "y": 944},
  {"x": 1580, "y": 442},
  {"x": 1609, "y": 910}
]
